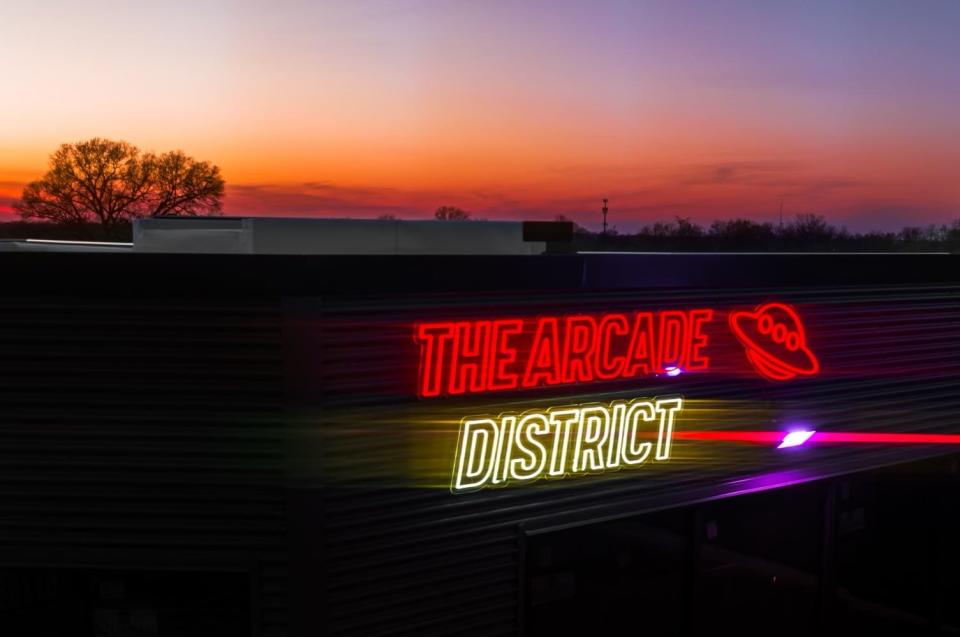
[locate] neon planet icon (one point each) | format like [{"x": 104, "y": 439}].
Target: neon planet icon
[{"x": 775, "y": 341}]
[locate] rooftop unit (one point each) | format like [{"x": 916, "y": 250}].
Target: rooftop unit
[{"x": 271, "y": 235}]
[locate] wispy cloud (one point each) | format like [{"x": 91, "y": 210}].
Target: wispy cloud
[
  {"x": 323, "y": 199},
  {"x": 791, "y": 177},
  {"x": 761, "y": 172}
]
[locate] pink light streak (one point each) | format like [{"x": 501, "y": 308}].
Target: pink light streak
[{"x": 825, "y": 437}]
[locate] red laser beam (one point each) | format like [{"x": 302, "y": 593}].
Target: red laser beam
[{"x": 827, "y": 437}]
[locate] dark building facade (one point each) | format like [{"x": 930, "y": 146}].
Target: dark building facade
[{"x": 200, "y": 444}]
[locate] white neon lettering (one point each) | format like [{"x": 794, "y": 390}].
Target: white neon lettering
[
  {"x": 594, "y": 430},
  {"x": 504, "y": 447},
  {"x": 534, "y": 460},
  {"x": 563, "y": 420},
  {"x": 495, "y": 451},
  {"x": 667, "y": 408},
  {"x": 631, "y": 450},
  {"x": 476, "y": 436},
  {"x": 616, "y": 435}
]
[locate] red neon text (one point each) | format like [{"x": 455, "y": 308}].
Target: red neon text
[{"x": 460, "y": 357}]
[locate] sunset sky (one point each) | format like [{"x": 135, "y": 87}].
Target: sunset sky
[{"x": 519, "y": 109}]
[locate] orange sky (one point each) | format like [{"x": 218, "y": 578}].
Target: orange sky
[{"x": 708, "y": 110}]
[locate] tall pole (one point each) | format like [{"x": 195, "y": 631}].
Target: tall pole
[{"x": 604, "y": 210}]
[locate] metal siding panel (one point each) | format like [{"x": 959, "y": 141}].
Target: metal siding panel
[
  {"x": 139, "y": 430},
  {"x": 420, "y": 560}
]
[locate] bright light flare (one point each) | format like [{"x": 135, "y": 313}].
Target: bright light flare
[{"x": 795, "y": 439}]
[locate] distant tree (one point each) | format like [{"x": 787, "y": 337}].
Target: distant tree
[
  {"x": 96, "y": 180},
  {"x": 451, "y": 213},
  {"x": 810, "y": 229},
  {"x": 924, "y": 234},
  {"x": 876, "y": 240},
  {"x": 951, "y": 235},
  {"x": 687, "y": 229},
  {"x": 181, "y": 186},
  {"x": 680, "y": 228},
  {"x": 742, "y": 234},
  {"x": 808, "y": 232},
  {"x": 388, "y": 217},
  {"x": 107, "y": 183}
]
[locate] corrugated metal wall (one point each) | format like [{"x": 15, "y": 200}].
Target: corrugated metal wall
[
  {"x": 157, "y": 433},
  {"x": 405, "y": 556},
  {"x": 144, "y": 435}
]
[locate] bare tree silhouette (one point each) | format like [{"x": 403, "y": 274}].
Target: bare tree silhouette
[
  {"x": 183, "y": 186},
  {"x": 451, "y": 213},
  {"x": 106, "y": 183}
]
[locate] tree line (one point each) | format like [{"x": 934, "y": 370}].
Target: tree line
[{"x": 805, "y": 233}]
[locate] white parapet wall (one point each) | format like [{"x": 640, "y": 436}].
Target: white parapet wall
[{"x": 273, "y": 235}]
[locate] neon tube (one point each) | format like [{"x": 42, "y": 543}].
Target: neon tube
[{"x": 827, "y": 437}]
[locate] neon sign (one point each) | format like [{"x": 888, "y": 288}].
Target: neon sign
[
  {"x": 494, "y": 451},
  {"x": 481, "y": 356},
  {"x": 470, "y": 357},
  {"x": 776, "y": 341}
]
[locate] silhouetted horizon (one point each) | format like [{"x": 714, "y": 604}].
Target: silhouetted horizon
[{"x": 801, "y": 233}]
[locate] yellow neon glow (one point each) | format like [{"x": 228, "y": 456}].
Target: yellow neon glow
[{"x": 510, "y": 448}]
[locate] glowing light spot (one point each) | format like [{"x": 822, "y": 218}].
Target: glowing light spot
[
  {"x": 673, "y": 371},
  {"x": 795, "y": 439}
]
